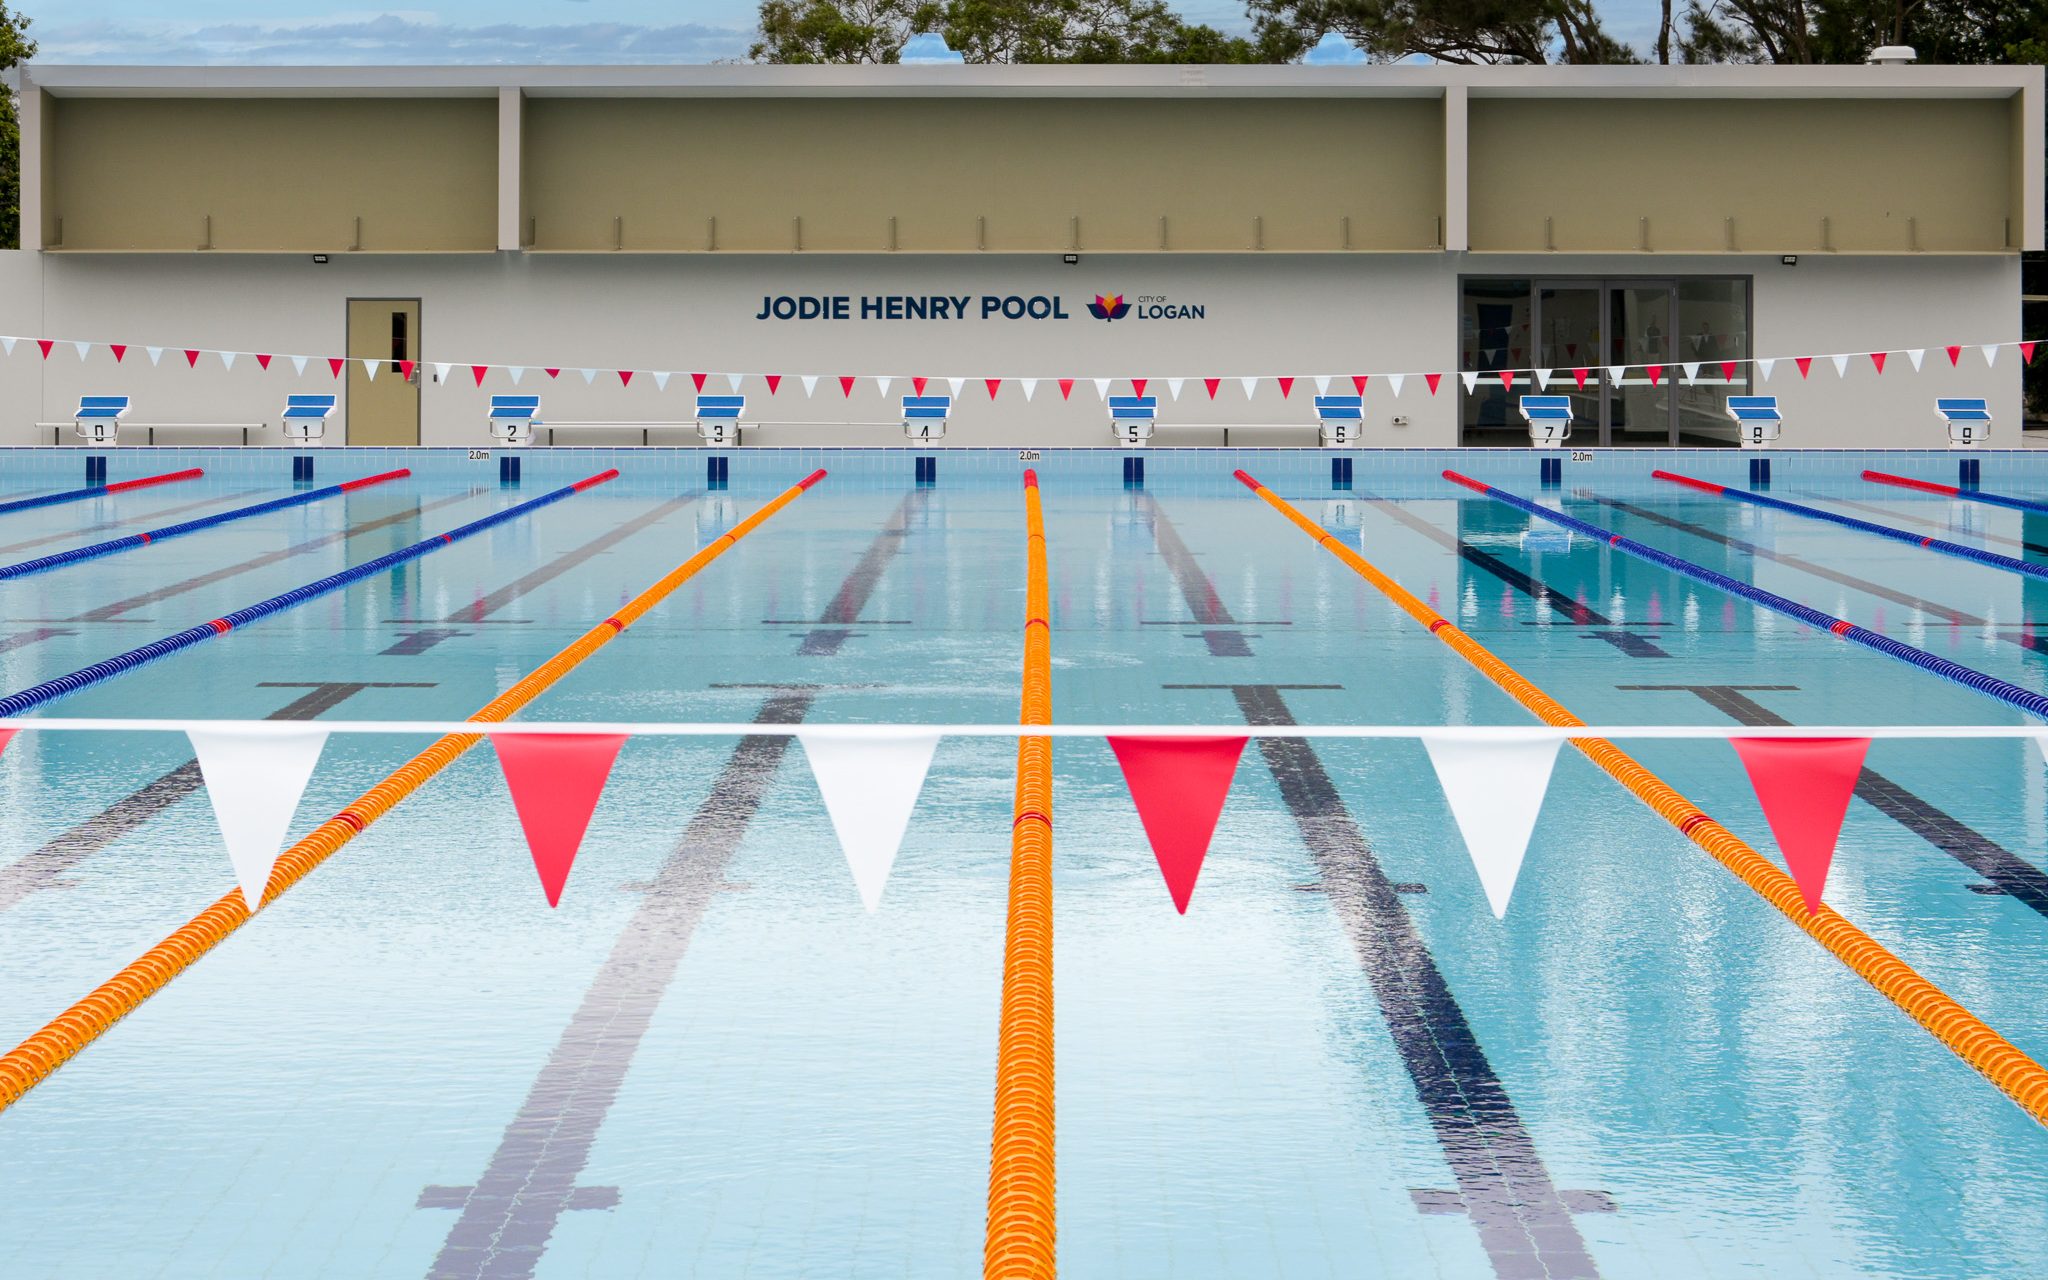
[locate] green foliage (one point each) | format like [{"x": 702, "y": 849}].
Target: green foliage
[
  {"x": 1018, "y": 31},
  {"x": 15, "y": 48},
  {"x": 1462, "y": 31}
]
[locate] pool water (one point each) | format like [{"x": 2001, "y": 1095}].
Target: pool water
[{"x": 711, "y": 1061}]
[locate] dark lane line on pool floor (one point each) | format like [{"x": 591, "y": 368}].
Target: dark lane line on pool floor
[
  {"x": 105, "y": 525},
  {"x": 156, "y": 595},
  {"x": 1576, "y": 612},
  {"x": 1925, "y": 523},
  {"x": 45, "y": 868},
  {"x": 509, "y": 1215},
  {"x": 1524, "y": 1222},
  {"x": 1220, "y": 631},
  {"x": 2003, "y": 870}
]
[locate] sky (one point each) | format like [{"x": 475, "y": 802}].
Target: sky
[{"x": 469, "y": 31}]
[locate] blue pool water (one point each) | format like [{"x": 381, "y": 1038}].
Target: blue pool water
[{"x": 759, "y": 1079}]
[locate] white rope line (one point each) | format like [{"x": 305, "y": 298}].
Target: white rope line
[{"x": 856, "y": 732}]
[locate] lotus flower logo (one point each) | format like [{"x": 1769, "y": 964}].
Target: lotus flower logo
[{"x": 1109, "y": 308}]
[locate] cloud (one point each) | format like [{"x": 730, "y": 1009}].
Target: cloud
[{"x": 384, "y": 38}]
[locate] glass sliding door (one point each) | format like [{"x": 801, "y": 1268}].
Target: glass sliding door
[
  {"x": 1640, "y": 411},
  {"x": 1713, "y": 332},
  {"x": 1568, "y": 328},
  {"x": 1493, "y": 334}
]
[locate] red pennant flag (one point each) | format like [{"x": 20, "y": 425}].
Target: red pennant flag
[
  {"x": 846, "y": 386},
  {"x": 120, "y": 350},
  {"x": 1579, "y": 376},
  {"x": 555, "y": 780},
  {"x": 7, "y": 736},
  {"x": 191, "y": 357},
  {"x": 1286, "y": 386},
  {"x": 1727, "y": 371},
  {"x": 697, "y": 378},
  {"x": 1804, "y": 785},
  {"x": 334, "y": 364},
  {"x": 774, "y": 381},
  {"x": 2027, "y": 352},
  {"x": 1877, "y": 358},
  {"x": 1954, "y": 354},
  {"x": 1805, "y": 363},
  {"x": 553, "y": 373},
  {"x": 405, "y": 368},
  {"x": 917, "y": 385},
  {"x": 1507, "y": 378},
  {"x": 1212, "y": 384},
  {"x": 1432, "y": 379},
  {"x": 1066, "y": 387},
  {"x": 1138, "y": 386},
  {"x": 47, "y": 343},
  {"x": 994, "y": 385},
  {"x": 478, "y": 371},
  {"x": 1358, "y": 381},
  {"x": 625, "y": 377},
  {"x": 262, "y": 362},
  {"x": 1179, "y": 785},
  {"x": 1655, "y": 371}
]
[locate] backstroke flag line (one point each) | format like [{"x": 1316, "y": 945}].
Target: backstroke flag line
[
  {"x": 1179, "y": 785},
  {"x": 870, "y": 786},
  {"x": 1495, "y": 790},
  {"x": 255, "y": 781},
  {"x": 556, "y": 780},
  {"x": 1804, "y": 785}
]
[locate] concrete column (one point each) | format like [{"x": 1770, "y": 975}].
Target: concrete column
[
  {"x": 1457, "y": 166},
  {"x": 32, "y": 162},
  {"x": 511, "y": 185}
]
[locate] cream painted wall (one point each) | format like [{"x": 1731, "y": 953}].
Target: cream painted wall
[{"x": 1265, "y": 314}]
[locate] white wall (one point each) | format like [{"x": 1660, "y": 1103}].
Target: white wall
[{"x": 1266, "y": 315}]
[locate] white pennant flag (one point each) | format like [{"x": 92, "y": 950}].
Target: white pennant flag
[
  {"x": 1990, "y": 350},
  {"x": 441, "y": 372},
  {"x": 660, "y": 379},
  {"x": 1543, "y": 378},
  {"x": 1616, "y": 372},
  {"x": 8, "y": 344},
  {"x": 882, "y": 384},
  {"x": 1470, "y": 379},
  {"x": 1495, "y": 789},
  {"x": 370, "y": 367},
  {"x": 1841, "y": 366},
  {"x": 1395, "y": 380},
  {"x": 589, "y": 376},
  {"x": 1692, "y": 372},
  {"x": 299, "y": 365},
  {"x": 1916, "y": 357},
  {"x": 1030, "y": 385},
  {"x": 1250, "y": 385},
  {"x": 810, "y": 381},
  {"x": 227, "y": 359},
  {"x": 870, "y": 786},
  {"x": 255, "y": 781},
  {"x": 954, "y": 385},
  {"x": 155, "y": 354},
  {"x": 1102, "y": 388},
  {"x": 1764, "y": 367},
  {"x": 1322, "y": 385},
  {"x": 1173, "y": 386},
  {"x": 83, "y": 349},
  {"x": 518, "y": 371}
]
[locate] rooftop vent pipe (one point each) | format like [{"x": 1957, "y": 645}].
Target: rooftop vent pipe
[{"x": 1892, "y": 55}]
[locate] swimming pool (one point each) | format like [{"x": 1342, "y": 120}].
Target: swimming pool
[{"x": 710, "y": 1060}]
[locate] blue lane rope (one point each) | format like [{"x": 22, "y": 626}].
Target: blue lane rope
[
  {"x": 2004, "y": 690},
  {"x": 15, "y": 704},
  {"x": 99, "y": 490},
  {"x": 1981, "y": 556},
  {"x": 58, "y": 559}
]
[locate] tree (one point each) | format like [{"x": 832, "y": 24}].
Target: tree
[
  {"x": 813, "y": 31},
  {"x": 15, "y": 48},
  {"x": 1462, "y": 31}
]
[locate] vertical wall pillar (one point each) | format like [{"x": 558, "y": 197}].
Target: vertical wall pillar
[
  {"x": 30, "y": 120},
  {"x": 1457, "y": 168},
  {"x": 511, "y": 180}
]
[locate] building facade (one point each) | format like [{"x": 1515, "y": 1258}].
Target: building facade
[{"x": 790, "y": 227}]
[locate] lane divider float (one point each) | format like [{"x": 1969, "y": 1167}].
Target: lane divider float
[
  {"x": 1949, "y": 490},
  {"x": 14, "y": 704},
  {"x": 1983, "y": 682},
  {"x": 31, "y": 1061},
  {"x": 1021, "y": 1243},
  {"x": 94, "y": 491},
  {"x": 110, "y": 546},
  {"x": 1966, "y": 1035},
  {"x": 2010, "y": 563}
]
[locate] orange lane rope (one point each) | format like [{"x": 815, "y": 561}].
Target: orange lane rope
[
  {"x": 1022, "y": 1227},
  {"x": 71, "y": 1031},
  {"x": 1967, "y": 1036}
]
